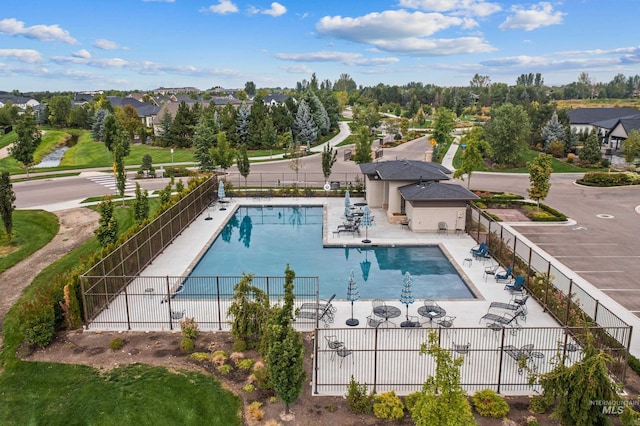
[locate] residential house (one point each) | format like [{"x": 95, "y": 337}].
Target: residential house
[
  {"x": 612, "y": 124},
  {"x": 413, "y": 192}
]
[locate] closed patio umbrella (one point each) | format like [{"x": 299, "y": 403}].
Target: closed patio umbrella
[
  {"x": 406, "y": 296},
  {"x": 352, "y": 295},
  {"x": 221, "y": 194},
  {"x": 347, "y": 204},
  {"x": 366, "y": 223}
]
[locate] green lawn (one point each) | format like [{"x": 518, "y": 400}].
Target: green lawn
[
  {"x": 60, "y": 394},
  {"x": 7, "y": 139},
  {"x": 35, "y": 393},
  {"x": 558, "y": 166},
  {"x": 32, "y": 229}
]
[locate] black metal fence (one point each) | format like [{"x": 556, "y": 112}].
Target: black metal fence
[
  {"x": 159, "y": 303},
  {"x": 110, "y": 276},
  {"x": 501, "y": 359}
]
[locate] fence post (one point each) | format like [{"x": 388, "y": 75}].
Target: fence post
[
  {"x": 515, "y": 242},
  {"x": 169, "y": 303},
  {"x": 219, "y": 308},
  {"x": 546, "y": 286},
  {"x": 500, "y": 359},
  {"x": 375, "y": 357},
  {"x": 566, "y": 317},
  {"x": 126, "y": 303},
  {"x": 315, "y": 361}
]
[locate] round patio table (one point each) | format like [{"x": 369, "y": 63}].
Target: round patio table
[
  {"x": 431, "y": 312},
  {"x": 387, "y": 312}
]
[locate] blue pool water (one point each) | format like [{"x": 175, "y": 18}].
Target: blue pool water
[{"x": 263, "y": 240}]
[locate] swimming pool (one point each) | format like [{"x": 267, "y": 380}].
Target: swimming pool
[{"x": 263, "y": 240}]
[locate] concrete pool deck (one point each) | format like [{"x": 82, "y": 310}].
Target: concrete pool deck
[{"x": 181, "y": 256}]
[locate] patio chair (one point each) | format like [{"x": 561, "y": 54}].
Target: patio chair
[
  {"x": 323, "y": 304},
  {"x": 176, "y": 315},
  {"x": 343, "y": 353},
  {"x": 325, "y": 315},
  {"x": 462, "y": 349},
  {"x": 446, "y": 321},
  {"x": 490, "y": 270},
  {"x": 375, "y": 303},
  {"x": 482, "y": 253},
  {"x": 506, "y": 320},
  {"x": 517, "y": 285},
  {"x": 520, "y": 356},
  {"x": 478, "y": 248},
  {"x": 443, "y": 228},
  {"x": 333, "y": 343},
  {"x": 511, "y": 306},
  {"x": 374, "y": 321},
  {"x": 504, "y": 276}
]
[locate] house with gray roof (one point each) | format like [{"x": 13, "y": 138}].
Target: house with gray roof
[{"x": 416, "y": 192}]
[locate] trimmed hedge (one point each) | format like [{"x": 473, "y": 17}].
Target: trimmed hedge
[{"x": 604, "y": 179}]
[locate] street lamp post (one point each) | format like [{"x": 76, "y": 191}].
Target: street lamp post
[{"x": 171, "y": 157}]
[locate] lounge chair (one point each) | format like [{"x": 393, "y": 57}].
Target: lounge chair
[
  {"x": 511, "y": 306},
  {"x": 520, "y": 356},
  {"x": 504, "y": 276},
  {"x": 517, "y": 285},
  {"x": 443, "y": 228},
  {"x": 325, "y": 315},
  {"x": 491, "y": 270},
  {"x": 309, "y": 306},
  {"x": 478, "y": 248},
  {"x": 506, "y": 320},
  {"x": 482, "y": 253},
  {"x": 355, "y": 228}
]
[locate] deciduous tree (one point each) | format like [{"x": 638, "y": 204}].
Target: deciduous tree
[
  {"x": 243, "y": 163},
  {"x": 472, "y": 157},
  {"x": 203, "y": 140},
  {"x": 29, "y": 138},
  {"x": 59, "y": 109},
  {"x": 7, "y": 198},
  {"x": 107, "y": 231},
  {"x": 507, "y": 133},
  {"x": 223, "y": 155},
  {"x": 141, "y": 205},
  {"x": 329, "y": 158},
  {"x": 539, "y": 173},
  {"x": 631, "y": 146},
  {"x": 363, "y": 146}
]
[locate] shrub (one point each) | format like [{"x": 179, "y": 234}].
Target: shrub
[
  {"x": 187, "y": 345},
  {"x": 200, "y": 356},
  {"x": 239, "y": 345},
  {"x": 219, "y": 358},
  {"x": 629, "y": 417},
  {"x": 225, "y": 369},
  {"x": 538, "y": 405},
  {"x": 357, "y": 399},
  {"x": 410, "y": 400},
  {"x": 255, "y": 411},
  {"x": 532, "y": 421},
  {"x": 388, "y": 406},
  {"x": 116, "y": 344},
  {"x": 37, "y": 321},
  {"x": 273, "y": 399},
  {"x": 189, "y": 328},
  {"x": 245, "y": 364},
  {"x": 489, "y": 404},
  {"x": 248, "y": 388},
  {"x": 556, "y": 148},
  {"x": 634, "y": 363},
  {"x": 262, "y": 376},
  {"x": 236, "y": 356}
]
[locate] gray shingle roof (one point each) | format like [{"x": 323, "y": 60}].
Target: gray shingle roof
[
  {"x": 593, "y": 115},
  {"x": 433, "y": 191},
  {"x": 406, "y": 170}
]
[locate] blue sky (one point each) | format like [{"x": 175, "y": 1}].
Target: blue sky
[{"x": 143, "y": 44}]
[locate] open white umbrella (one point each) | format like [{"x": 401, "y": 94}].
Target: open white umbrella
[{"x": 352, "y": 295}]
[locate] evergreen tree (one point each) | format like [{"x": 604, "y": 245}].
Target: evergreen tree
[
  {"x": 242, "y": 123},
  {"x": 203, "y": 141},
  {"x": 118, "y": 159},
  {"x": 591, "y": 152},
  {"x": 442, "y": 400},
  {"x": 243, "y": 164},
  {"x": 165, "y": 193},
  {"x": 7, "y": 198},
  {"x": 107, "y": 231},
  {"x": 331, "y": 105},
  {"x": 141, "y": 205},
  {"x": 553, "y": 131},
  {"x": 363, "y": 146},
  {"x": 319, "y": 113},
  {"x": 223, "y": 155},
  {"x": 97, "y": 127},
  {"x": 539, "y": 173},
  {"x": 182, "y": 127},
  {"x": 268, "y": 134},
  {"x": 329, "y": 158},
  {"x": 631, "y": 146},
  {"x": 29, "y": 138},
  {"x": 305, "y": 128},
  {"x": 147, "y": 164},
  {"x": 164, "y": 131},
  {"x": 257, "y": 122},
  {"x": 109, "y": 131}
]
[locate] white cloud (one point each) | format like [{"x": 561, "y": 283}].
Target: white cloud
[
  {"x": 223, "y": 7},
  {"x": 387, "y": 25},
  {"x": 297, "y": 69},
  {"x": 436, "y": 47},
  {"x": 82, "y": 53},
  {"x": 104, "y": 44},
  {"x": 342, "y": 57},
  {"x": 23, "y": 55},
  {"x": 276, "y": 10},
  {"x": 539, "y": 15},
  {"x": 14, "y": 27},
  {"x": 93, "y": 62},
  {"x": 462, "y": 7}
]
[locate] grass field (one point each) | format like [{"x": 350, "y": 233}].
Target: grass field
[
  {"x": 32, "y": 229},
  {"x": 597, "y": 103},
  {"x": 37, "y": 393}
]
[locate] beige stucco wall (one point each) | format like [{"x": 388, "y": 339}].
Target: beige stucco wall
[
  {"x": 426, "y": 219},
  {"x": 375, "y": 192}
]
